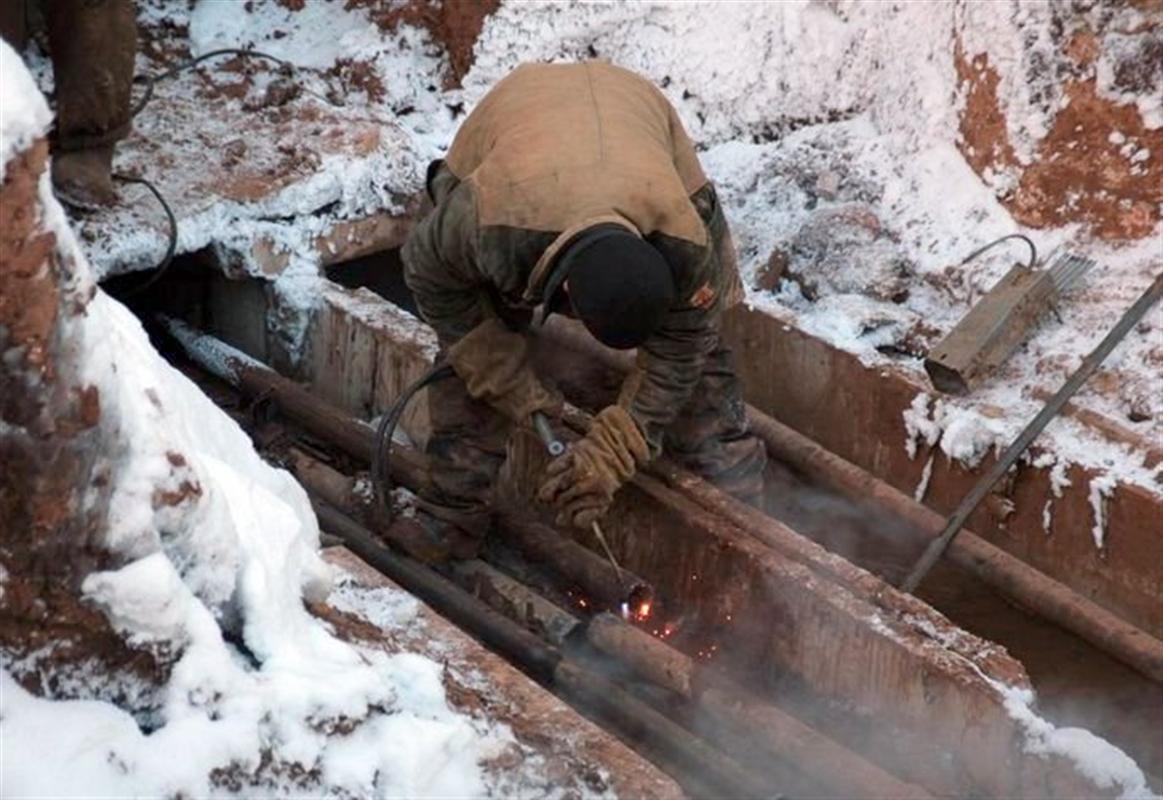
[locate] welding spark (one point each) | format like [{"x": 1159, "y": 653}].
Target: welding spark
[{"x": 643, "y": 611}]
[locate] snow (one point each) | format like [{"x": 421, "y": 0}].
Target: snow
[
  {"x": 1099, "y": 760},
  {"x": 24, "y": 114},
  {"x": 923, "y": 483},
  {"x": 216, "y": 552},
  {"x": 1100, "y": 489},
  {"x": 840, "y": 105}
]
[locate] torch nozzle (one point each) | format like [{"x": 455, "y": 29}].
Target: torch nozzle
[{"x": 553, "y": 445}]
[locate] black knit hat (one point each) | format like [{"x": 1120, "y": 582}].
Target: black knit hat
[{"x": 619, "y": 285}]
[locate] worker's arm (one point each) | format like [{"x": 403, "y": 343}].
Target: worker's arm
[
  {"x": 671, "y": 361},
  {"x": 441, "y": 268}
]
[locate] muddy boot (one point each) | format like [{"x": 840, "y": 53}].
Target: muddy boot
[
  {"x": 432, "y": 540},
  {"x": 83, "y": 178}
]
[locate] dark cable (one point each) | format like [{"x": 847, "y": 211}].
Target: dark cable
[
  {"x": 381, "y": 458},
  {"x": 171, "y": 246},
  {"x": 1022, "y": 236},
  {"x": 151, "y": 80}
]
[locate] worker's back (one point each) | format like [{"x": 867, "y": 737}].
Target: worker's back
[{"x": 554, "y": 145}]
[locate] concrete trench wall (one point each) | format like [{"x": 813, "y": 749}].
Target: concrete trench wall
[
  {"x": 891, "y": 667},
  {"x": 856, "y": 412}
]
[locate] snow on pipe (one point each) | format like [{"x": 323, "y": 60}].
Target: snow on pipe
[{"x": 222, "y": 360}]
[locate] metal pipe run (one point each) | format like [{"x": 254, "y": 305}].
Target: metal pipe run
[
  {"x": 735, "y": 713},
  {"x": 603, "y": 584},
  {"x": 1003, "y": 572},
  {"x": 1011, "y": 576},
  {"x": 687, "y": 757},
  {"x": 745, "y": 718}
]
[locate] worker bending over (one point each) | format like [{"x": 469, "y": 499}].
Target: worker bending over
[{"x": 575, "y": 186}]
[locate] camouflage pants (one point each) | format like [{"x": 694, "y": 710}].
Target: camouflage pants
[
  {"x": 468, "y": 440},
  {"x": 92, "y": 44}
]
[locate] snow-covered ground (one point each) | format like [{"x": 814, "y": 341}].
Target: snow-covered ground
[
  {"x": 805, "y": 112},
  {"x": 799, "y": 107},
  {"x": 220, "y": 552}
]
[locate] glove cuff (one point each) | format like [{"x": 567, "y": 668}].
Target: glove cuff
[{"x": 620, "y": 440}]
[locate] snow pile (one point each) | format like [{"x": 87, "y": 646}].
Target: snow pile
[
  {"x": 218, "y": 552},
  {"x": 1097, "y": 759},
  {"x": 24, "y": 116}
]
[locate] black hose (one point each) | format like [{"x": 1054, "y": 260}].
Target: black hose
[
  {"x": 152, "y": 80},
  {"x": 172, "y": 244},
  {"x": 381, "y": 456}
]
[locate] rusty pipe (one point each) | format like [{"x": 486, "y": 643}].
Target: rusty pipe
[
  {"x": 690, "y": 759},
  {"x": 1041, "y": 594},
  {"x": 744, "y": 717},
  {"x": 605, "y": 585}
]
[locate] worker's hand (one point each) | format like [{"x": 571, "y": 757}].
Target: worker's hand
[
  {"x": 581, "y": 483},
  {"x": 493, "y": 362}
]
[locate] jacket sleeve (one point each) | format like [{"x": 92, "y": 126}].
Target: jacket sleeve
[
  {"x": 671, "y": 361},
  {"x": 670, "y": 364},
  {"x": 440, "y": 267}
]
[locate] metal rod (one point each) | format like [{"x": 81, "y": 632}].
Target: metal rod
[
  {"x": 1089, "y": 364},
  {"x": 606, "y": 546},
  {"x": 553, "y": 445}
]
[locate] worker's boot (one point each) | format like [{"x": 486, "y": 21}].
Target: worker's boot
[
  {"x": 83, "y": 178},
  {"x": 432, "y": 540}
]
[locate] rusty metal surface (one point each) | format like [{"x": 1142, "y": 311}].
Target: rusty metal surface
[
  {"x": 994, "y": 327},
  {"x": 575, "y": 750},
  {"x": 855, "y": 412},
  {"x": 782, "y": 619}
]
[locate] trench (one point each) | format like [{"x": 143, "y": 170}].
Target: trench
[{"x": 1077, "y": 683}]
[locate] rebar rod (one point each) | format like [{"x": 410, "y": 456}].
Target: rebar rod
[{"x": 987, "y": 481}]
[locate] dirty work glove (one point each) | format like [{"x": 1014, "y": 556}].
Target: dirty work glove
[
  {"x": 582, "y": 482},
  {"x": 493, "y": 362}
]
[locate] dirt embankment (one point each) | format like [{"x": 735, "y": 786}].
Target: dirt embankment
[
  {"x": 53, "y": 493},
  {"x": 1099, "y": 162},
  {"x": 453, "y": 24}
]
